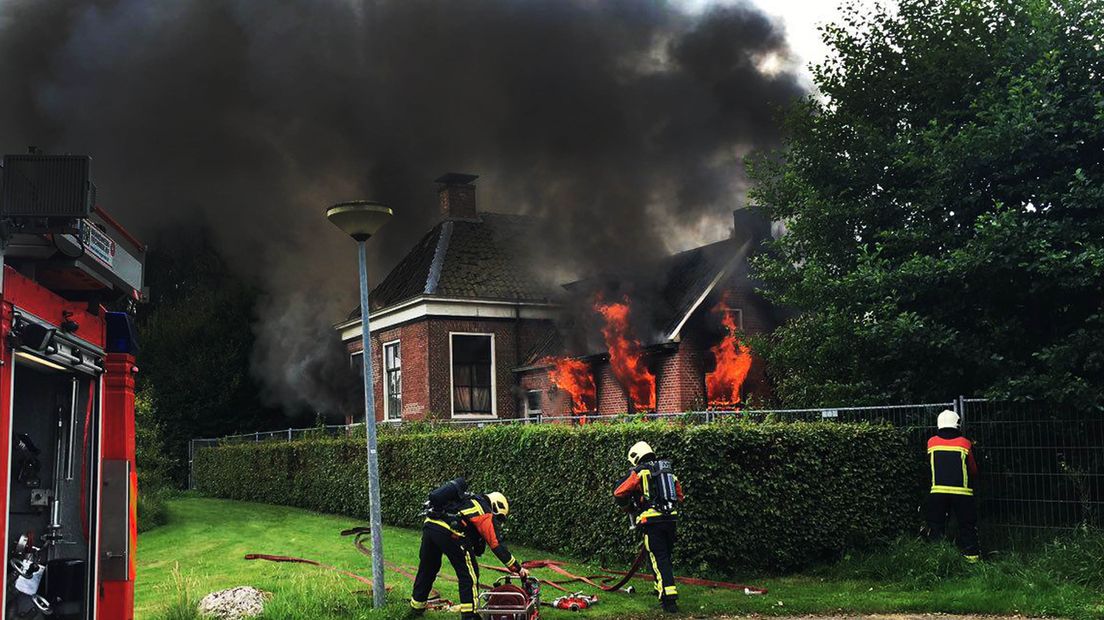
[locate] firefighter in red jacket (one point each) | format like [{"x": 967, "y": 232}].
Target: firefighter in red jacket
[
  {"x": 652, "y": 492},
  {"x": 461, "y": 533},
  {"x": 953, "y": 468}
]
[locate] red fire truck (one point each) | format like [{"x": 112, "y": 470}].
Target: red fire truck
[{"x": 69, "y": 276}]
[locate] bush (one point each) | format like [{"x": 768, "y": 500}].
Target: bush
[
  {"x": 152, "y": 509},
  {"x": 153, "y": 467},
  {"x": 770, "y": 496}
]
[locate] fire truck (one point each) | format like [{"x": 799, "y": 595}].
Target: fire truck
[{"x": 69, "y": 278}]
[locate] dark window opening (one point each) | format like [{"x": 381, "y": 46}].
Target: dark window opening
[
  {"x": 533, "y": 401},
  {"x": 471, "y": 375}
]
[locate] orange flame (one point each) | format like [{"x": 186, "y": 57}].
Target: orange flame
[
  {"x": 722, "y": 386},
  {"x": 626, "y": 353},
  {"x": 574, "y": 377}
]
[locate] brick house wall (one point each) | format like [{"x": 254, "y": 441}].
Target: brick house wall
[
  {"x": 553, "y": 403},
  {"x": 426, "y": 363},
  {"x": 680, "y": 379},
  {"x": 611, "y": 396}
]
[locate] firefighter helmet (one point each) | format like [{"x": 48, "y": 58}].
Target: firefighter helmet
[
  {"x": 639, "y": 450},
  {"x": 947, "y": 419},
  {"x": 499, "y": 505}
]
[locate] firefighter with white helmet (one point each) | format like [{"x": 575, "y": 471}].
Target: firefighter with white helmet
[
  {"x": 953, "y": 468},
  {"x": 652, "y": 493},
  {"x": 460, "y": 526}
]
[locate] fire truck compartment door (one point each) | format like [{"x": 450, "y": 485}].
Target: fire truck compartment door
[{"x": 115, "y": 521}]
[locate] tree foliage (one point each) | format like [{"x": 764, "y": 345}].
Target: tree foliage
[
  {"x": 943, "y": 199},
  {"x": 196, "y": 339}
]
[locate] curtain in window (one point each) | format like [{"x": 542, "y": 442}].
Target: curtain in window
[{"x": 471, "y": 374}]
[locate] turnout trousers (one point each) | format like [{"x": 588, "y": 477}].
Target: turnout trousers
[
  {"x": 940, "y": 506},
  {"x": 436, "y": 542},
  {"x": 659, "y": 544}
]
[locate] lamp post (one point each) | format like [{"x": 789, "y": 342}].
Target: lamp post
[{"x": 360, "y": 220}]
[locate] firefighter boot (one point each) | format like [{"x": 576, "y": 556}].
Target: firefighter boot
[{"x": 670, "y": 605}]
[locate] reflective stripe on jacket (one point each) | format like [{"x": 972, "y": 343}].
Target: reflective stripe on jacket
[
  {"x": 476, "y": 520},
  {"x": 951, "y": 458}
]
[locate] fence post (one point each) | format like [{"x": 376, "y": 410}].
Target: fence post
[
  {"x": 289, "y": 434},
  {"x": 960, "y": 404},
  {"x": 191, "y": 474}
]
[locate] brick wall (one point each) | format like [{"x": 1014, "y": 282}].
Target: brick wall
[
  {"x": 757, "y": 314},
  {"x": 426, "y": 391},
  {"x": 680, "y": 380},
  {"x": 611, "y": 396},
  {"x": 553, "y": 403}
]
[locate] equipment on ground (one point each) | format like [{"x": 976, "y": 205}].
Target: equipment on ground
[
  {"x": 509, "y": 601},
  {"x": 506, "y": 604},
  {"x": 574, "y": 602}
]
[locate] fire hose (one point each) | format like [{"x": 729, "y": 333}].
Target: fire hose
[{"x": 602, "y": 582}]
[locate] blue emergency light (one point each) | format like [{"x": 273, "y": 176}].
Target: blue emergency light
[{"x": 121, "y": 335}]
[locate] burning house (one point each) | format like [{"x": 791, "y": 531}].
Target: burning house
[
  {"x": 671, "y": 338},
  {"x": 464, "y": 326}
]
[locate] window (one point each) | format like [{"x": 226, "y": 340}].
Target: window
[
  {"x": 356, "y": 361},
  {"x": 533, "y": 402},
  {"x": 737, "y": 315},
  {"x": 392, "y": 381},
  {"x": 472, "y": 374}
]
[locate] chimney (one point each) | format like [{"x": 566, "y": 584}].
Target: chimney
[
  {"x": 457, "y": 196},
  {"x": 751, "y": 224}
]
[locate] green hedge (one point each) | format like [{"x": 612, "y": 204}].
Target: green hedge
[{"x": 769, "y": 496}]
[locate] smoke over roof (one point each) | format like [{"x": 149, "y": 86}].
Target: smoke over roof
[{"x": 622, "y": 122}]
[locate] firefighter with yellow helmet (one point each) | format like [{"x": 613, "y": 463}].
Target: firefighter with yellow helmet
[
  {"x": 460, "y": 526},
  {"x": 652, "y": 492}
]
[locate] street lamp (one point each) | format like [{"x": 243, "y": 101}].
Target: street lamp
[{"x": 360, "y": 220}]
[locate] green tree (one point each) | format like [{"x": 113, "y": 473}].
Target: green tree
[
  {"x": 944, "y": 201},
  {"x": 196, "y": 337}
]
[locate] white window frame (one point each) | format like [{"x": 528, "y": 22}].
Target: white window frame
[
  {"x": 387, "y": 384},
  {"x": 494, "y": 386}
]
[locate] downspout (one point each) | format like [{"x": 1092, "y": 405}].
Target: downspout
[{"x": 517, "y": 350}]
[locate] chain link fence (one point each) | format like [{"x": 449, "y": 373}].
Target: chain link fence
[{"x": 1041, "y": 468}]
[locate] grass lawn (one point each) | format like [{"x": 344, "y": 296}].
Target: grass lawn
[{"x": 201, "y": 549}]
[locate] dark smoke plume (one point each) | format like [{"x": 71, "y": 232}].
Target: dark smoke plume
[{"x": 623, "y": 122}]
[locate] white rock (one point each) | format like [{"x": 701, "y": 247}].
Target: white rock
[{"x": 234, "y": 604}]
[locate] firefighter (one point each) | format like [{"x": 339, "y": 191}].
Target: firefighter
[
  {"x": 652, "y": 492},
  {"x": 461, "y": 532},
  {"x": 951, "y": 457}
]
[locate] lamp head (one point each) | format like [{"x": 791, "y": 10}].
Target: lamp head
[{"x": 360, "y": 219}]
